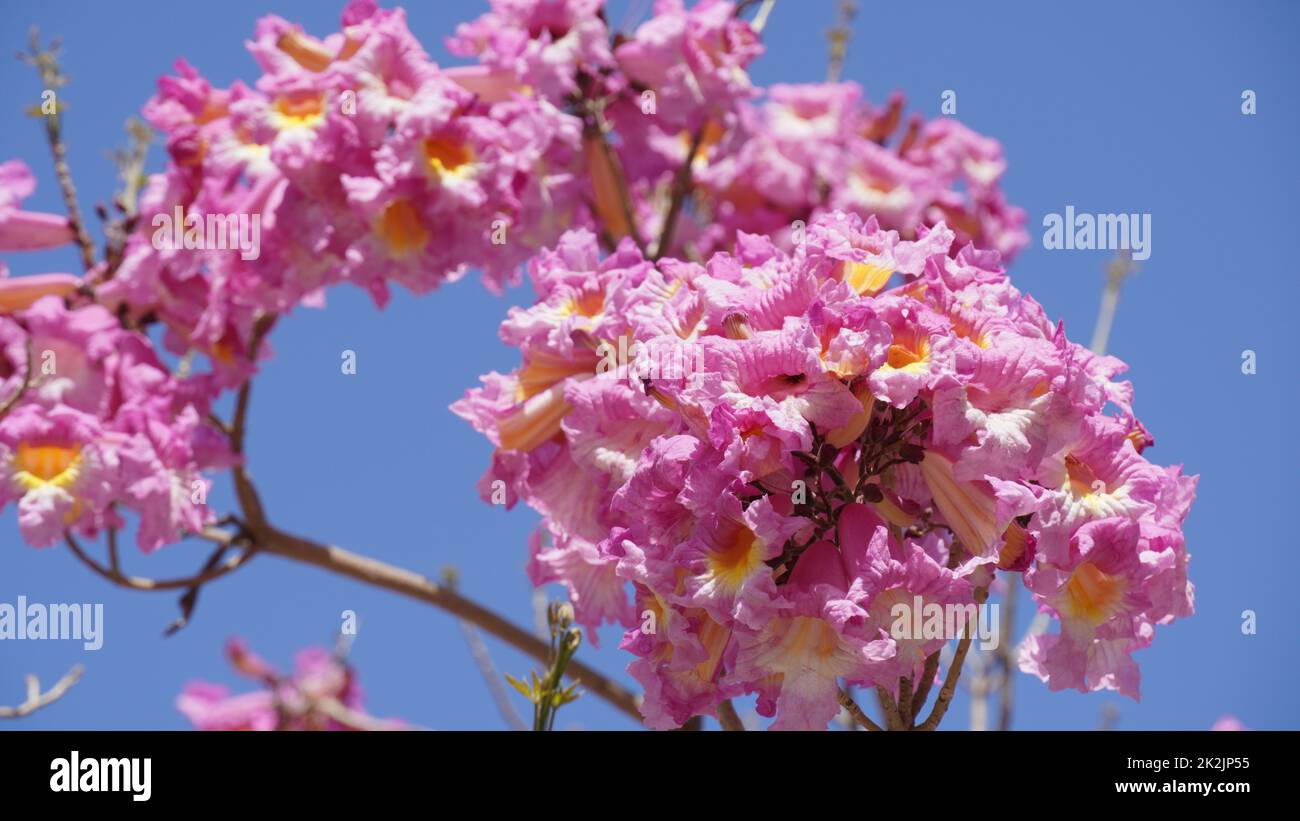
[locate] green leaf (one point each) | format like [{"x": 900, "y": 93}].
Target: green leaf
[{"x": 521, "y": 687}]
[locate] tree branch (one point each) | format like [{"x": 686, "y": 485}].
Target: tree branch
[
  {"x": 270, "y": 539},
  {"x": 926, "y": 681},
  {"x": 37, "y": 700},
  {"x": 954, "y": 673},
  {"x": 893, "y": 720},
  {"x": 414, "y": 586},
  {"x": 847, "y": 702},
  {"x": 158, "y": 585}
]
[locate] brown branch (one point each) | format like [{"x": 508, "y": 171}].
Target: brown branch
[
  {"x": 928, "y": 674},
  {"x": 954, "y": 673},
  {"x": 249, "y": 500},
  {"x": 949, "y": 686},
  {"x": 905, "y": 710},
  {"x": 114, "y": 562},
  {"x": 270, "y": 539},
  {"x": 893, "y": 719},
  {"x": 46, "y": 62},
  {"x": 190, "y": 598},
  {"x": 847, "y": 702},
  {"x": 414, "y": 586},
  {"x": 727, "y": 717},
  {"x": 36, "y": 699},
  {"x": 681, "y": 188}
]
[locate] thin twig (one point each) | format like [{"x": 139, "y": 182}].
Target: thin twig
[
  {"x": 1006, "y": 657},
  {"x": 36, "y": 699},
  {"x": 190, "y": 598},
  {"x": 46, "y": 62},
  {"x": 157, "y": 585},
  {"x": 681, "y": 188},
  {"x": 478, "y": 650},
  {"x": 760, "y": 19},
  {"x": 949, "y": 686},
  {"x": 1119, "y": 269},
  {"x": 491, "y": 677},
  {"x": 839, "y": 39},
  {"x": 114, "y": 562},
  {"x": 847, "y": 702}
]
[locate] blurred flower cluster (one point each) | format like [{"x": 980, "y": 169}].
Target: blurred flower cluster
[{"x": 320, "y": 694}]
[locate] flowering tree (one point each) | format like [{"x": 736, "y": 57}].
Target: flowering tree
[{"x": 777, "y": 400}]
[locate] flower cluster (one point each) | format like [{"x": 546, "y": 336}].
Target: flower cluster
[
  {"x": 321, "y": 694},
  {"x": 778, "y": 449},
  {"x": 361, "y": 161},
  {"x": 769, "y": 384},
  {"x": 92, "y": 418},
  {"x": 355, "y": 158}
]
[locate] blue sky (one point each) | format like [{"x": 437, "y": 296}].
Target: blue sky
[{"x": 1112, "y": 107}]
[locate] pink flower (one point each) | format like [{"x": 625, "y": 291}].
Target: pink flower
[
  {"x": 57, "y": 467},
  {"x": 320, "y": 694},
  {"x": 693, "y": 59},
  {"x": 542, "y": 46},
  {"x": 25, "y": 230}
]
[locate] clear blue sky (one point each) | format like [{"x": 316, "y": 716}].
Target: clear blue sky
[{"x": 1112, "y": 107}]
